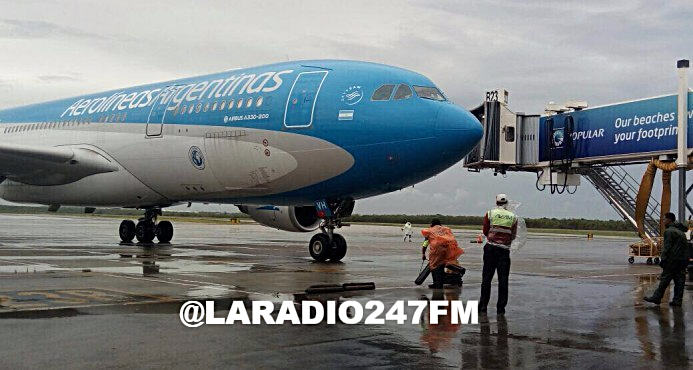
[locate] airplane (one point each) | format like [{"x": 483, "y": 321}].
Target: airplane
[{"x": 293, "y": 144}]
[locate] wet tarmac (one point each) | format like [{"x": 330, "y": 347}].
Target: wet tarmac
[{"x": 72, "y": 297}]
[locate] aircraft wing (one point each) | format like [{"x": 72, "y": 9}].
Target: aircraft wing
[{"x": 40, "y": 165}]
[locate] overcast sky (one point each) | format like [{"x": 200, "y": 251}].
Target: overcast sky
[{"x": 601, "y": 51}]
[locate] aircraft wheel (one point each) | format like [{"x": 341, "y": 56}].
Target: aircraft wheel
[
  {"x": 656, "y": 260},
  {"x": 649, "y": 261},
  {"x": 127, "y": 231},
  {"x": 340, "y": 248},
  {"x": 319, "y": 247},
  {"x": 164, "y": 231},
  {"x": 144, "y": 231},
  {"x": 631, "y": 260}
]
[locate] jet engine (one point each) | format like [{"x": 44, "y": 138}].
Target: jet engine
[{"x": 289, "y": 218}]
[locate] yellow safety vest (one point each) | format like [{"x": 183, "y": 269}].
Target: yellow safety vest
[{"x": 501, "y": 220}]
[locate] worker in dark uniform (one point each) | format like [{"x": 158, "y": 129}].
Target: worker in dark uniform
[
  {"x": 674, "y": 260},
  {"x": 500, "y": 228}
]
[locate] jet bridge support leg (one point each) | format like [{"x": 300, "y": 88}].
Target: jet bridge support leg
[
  {"x": 683, "y": 202},
  {"x": 682, "y": 134}
]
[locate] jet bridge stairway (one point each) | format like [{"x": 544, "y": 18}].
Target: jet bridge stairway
[{"x": 620, "y": 189}]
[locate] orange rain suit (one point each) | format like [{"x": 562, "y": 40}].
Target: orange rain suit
[{"x": 443, "y": 246}]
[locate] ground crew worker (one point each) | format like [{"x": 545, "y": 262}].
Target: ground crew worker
[
  {"x": 674, "y": 260},
  {"x": 500, "y": 228},
  {"x": 443, "y": 250},
  {"x": 407, "y": 231}
]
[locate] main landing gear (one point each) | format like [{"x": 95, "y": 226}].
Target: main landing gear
[
  {"x": 327, "y": 244},
  {"x": 146, "y": 228}
]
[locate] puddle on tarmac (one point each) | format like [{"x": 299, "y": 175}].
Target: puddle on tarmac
[
  {"x": 24, "y": 269},
  {"x": 210, "y": 291},
  {"x": 179, "y": 267},
  {"x": 207, "y": 253},
  {"x": 61, "y": 258}
]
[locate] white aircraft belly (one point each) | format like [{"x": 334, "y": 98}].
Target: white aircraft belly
[{"x": 160, "y": 169}]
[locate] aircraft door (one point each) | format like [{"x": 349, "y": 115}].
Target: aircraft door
[
  {"x": 157, "y": 115},
  {"x": 300, "y": 105}
]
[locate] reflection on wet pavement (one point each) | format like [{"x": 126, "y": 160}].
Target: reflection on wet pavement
[{"x": 574, "y": 303}]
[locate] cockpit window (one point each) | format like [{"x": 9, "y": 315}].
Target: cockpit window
[
  {"x": 429, "y": 93},
  {"x": 383, "y": 92},
  {"x": 403, "y": 92}
]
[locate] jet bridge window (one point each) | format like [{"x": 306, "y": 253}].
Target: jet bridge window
[
  {"x": 383, "y": 93},
  {"x": 510, "y": 134},
  {"x": 430, "y": 93},
  {"x": 403, "y": 92}
]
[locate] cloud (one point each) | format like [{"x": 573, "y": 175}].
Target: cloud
[
  {"x": 59, "y": 78},
  {"x": 31, "y": 29},
  {"x": 599, "y": 50}
]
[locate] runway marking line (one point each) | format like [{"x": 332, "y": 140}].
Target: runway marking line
[{"x": 62, "y": 298}]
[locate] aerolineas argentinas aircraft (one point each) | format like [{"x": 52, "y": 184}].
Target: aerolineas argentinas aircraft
[{"x": 307, "y": 137}]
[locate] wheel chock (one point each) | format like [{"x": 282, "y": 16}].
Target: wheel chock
[
  {"x": 324, "y": 288},
  {"x": 358, "y": 286}
]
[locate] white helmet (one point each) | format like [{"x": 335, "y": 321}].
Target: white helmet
[{"x": 501, "y": 199}]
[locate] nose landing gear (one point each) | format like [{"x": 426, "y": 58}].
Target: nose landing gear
[
  {"x": 146, "y": 228},
  {"x": 327, "y": 244}
]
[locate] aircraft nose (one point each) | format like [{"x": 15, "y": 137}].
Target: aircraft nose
[{"x": 457, "y": 128}]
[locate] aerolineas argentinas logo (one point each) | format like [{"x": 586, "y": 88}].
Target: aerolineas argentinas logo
[
  {"x": 352, "y": 95},
  {"x": 172, "y": 96},
  {"x": 197, "y": 158},
  {"x": 193, "y": 313}
]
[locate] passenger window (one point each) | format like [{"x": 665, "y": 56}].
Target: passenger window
[
  {"x": 222, "y": 105},
  {"x": 206, "y": 107},
  {"x": 191, "y": 109},
  {"x": 198, "y": 108},
  {"x": 240, "y": 103},
  {"x": 214, "y": 106},
  {"x": 383, "y": 92},
  {"x": 184, "y": 109},
  {"x": 249, "y": 103},
  {"x": 403, "y": 92},
  {"x": 258, "y": 102},
  {"x": 231, "y": 104}
]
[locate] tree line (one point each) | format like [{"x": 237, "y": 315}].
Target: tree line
[{"x": 533, "y": 223}]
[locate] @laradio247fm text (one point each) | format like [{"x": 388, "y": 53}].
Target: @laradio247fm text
[{"x": 196, "y": 313}]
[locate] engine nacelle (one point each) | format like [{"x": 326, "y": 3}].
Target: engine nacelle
[{"x": 289, "y": 218}]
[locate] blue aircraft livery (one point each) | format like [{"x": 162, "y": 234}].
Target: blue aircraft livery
[
  {"x": 291, "y": 135},
  {"x": 648, "y": 126}
]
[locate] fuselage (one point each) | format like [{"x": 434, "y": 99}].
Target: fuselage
[{"x": 285, "y": 134}]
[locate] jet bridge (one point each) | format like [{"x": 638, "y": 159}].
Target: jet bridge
[{"x": 572, "y": 141}]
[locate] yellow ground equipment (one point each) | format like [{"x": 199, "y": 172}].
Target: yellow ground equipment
[{"x": 649, "y": 248}]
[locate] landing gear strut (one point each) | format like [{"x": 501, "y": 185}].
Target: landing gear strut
[
  {"x": 327, "y": 244},
  {"x": 146, "y": 228}
]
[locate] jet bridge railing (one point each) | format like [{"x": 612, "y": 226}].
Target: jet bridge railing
[{"x": 620, "y": 189}]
